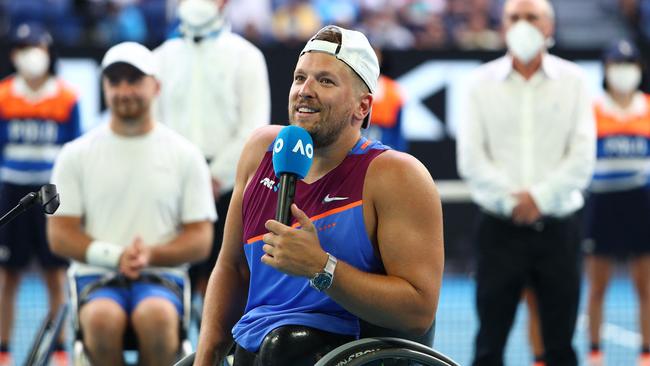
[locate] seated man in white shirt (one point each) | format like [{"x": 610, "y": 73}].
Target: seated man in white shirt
[{"x": 135, "y": 197}]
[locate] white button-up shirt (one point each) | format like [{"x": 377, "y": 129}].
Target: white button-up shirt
[{"x": 535, "y": 135}]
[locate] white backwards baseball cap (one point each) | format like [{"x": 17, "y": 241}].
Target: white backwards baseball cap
[
  {"x": 131, "y": 53},
  {"x": 355, "y": 51}
]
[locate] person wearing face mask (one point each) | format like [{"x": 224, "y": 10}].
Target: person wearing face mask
[
  {"x": 618, "y": 206},
  {"x": 38, "y": 114},
  {"x": 215, "y": 93},
  {"x": 526, "y": 148}
]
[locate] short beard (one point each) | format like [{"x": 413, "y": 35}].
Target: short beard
[
  {"x": 325, "y": 137},
  {"x": 132, "y": 115},
  {"x": 324, "y": 134},
  {"x": 130, "y": 120}
]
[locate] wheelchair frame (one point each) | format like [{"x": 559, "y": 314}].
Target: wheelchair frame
[{"x": 79, "y": 357}]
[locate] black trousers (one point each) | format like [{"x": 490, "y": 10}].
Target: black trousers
[
  {"x": 545, "y": 258},
  {"x": 293, "y": 345}
]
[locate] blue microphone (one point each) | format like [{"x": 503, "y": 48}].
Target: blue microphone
[{"x": 293, "y": 151}]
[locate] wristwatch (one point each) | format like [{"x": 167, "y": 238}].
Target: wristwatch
[{"x": 323, "y": 280}]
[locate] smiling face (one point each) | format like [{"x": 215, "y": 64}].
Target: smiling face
[{"x": 326, "y": 98}]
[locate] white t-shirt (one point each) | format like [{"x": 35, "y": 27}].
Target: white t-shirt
[{"x": 124, "y": 187}]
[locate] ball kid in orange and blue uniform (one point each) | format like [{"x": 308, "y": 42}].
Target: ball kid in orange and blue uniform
[
  {"x": 38, "y": 114},
  {"x": 618, "y": 206}
]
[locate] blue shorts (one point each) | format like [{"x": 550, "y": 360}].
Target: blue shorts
[
  {"x": 23, "y": 239},
  {"x": 128, "y": 296}
]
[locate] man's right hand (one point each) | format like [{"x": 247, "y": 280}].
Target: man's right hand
[
  {"x": 525, "y": 211},
  {"x": 134, "y": 258}
]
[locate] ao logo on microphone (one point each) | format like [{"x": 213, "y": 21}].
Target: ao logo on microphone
[
  {"x": 293, "y": 152},
  {"x": 300, "y": 147}
]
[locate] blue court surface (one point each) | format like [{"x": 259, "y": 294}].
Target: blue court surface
[
  {"x": 455, "y": 328},
  {"x": 457, "y": 324}
]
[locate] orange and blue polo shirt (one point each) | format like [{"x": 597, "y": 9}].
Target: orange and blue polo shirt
[
  {"x": 623, "y": 145},
  {"x": 33, "y": 128}
]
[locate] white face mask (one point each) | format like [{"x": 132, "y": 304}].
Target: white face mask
[
  {"x": 198, "y": 16},
  {"x": 524, "y": 41},
  {"x": 623, "y": 78},
  {"x": 32, "y": 62}
]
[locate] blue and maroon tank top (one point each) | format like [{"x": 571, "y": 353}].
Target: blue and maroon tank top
[{"x": 335, "y": 205}]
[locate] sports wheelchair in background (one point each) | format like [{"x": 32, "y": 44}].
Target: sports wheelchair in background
[{"x": 77, "y": 299}]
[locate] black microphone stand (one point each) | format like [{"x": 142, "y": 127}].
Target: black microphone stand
[
  {"x": 46, "y": 196},
  {"x": 44, "y": 342}
]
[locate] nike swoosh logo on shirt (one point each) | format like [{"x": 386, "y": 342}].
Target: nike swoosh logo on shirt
[{"x": 329, "y": 199}]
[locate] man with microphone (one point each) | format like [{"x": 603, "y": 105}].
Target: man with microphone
[
  {"x": 135, "y": 200},
  {"x": 364, "y": 239}
]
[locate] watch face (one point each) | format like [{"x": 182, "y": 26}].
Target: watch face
[{"x": 322, "y": 281}]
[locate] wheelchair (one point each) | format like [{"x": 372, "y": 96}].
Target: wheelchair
[
  {"x": 385, "y": 351},
  {"x": 79, "y": 356},
  {"x": 378, "y": 346},
  {"x": 387, "y": 347}
]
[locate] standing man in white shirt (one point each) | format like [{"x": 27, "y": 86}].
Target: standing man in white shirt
[
  {"x": 215, "y": 93},
  {"x": 527, "y": 149}
]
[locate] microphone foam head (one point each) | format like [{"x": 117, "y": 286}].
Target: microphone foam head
[{"x": 293, "y": 151}]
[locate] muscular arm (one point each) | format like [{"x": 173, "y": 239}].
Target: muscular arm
[
  {"x": 192, "y": 244},
  {"x": 410, "y": 240},
  {"x": 227, "y": 290},
  {"x": 67, "y": 237}
]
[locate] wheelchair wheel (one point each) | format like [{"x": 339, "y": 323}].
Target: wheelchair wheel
[
  {"x": 188, "y": 360},
  {"x": 384, "y": 351}
]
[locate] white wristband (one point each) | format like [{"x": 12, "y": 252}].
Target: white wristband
[{"x": 103, "y": 254}]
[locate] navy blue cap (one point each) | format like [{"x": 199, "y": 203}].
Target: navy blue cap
[
  {"x": 30, "y": 34},
  {"x": 622, "y": 51}
]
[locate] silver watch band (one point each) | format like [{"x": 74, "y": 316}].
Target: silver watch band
[{"x": 330, "y": 266}]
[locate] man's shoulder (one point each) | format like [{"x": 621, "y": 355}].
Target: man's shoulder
[
  {"x": 169, "y": 44},
  {"x": 263, "y": 136},
  {"x": 257, "y": 145},
  {"x": 91, "y": 137},
  {"x": 225, "y": 41},
  {"x": 236, "y": 46},
  {"x": 173, "y": 140},
  {"x": 83, "y": 146},
  {"x": 563, "y": 67},
  {"x": 491, "y": 69},
  {"x": 491, "y": 72},
  {"x": 236, "y": 39},
  {"x": 393, "y": 163},
  {"x": 395, "y": 171}
]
